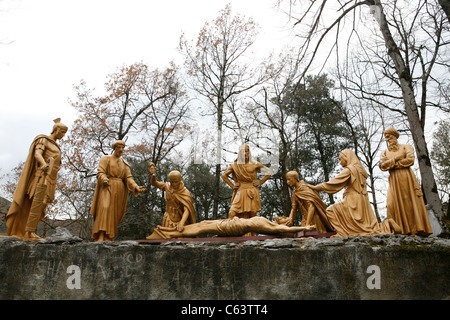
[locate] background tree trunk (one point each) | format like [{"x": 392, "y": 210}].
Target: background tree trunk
[{"x": 428, "y": 182}]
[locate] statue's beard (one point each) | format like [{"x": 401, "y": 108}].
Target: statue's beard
[{"x": 393, "y": 146}]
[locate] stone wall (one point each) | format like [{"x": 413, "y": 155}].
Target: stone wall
[{"x": 378, "y": 267}]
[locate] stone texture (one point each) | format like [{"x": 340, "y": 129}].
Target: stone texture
[
  {"x": 61, "y": 235},
  {"x": 280, "y": 269}
]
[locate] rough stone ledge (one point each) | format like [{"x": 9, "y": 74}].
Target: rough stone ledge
[
  {"x": 310, "y": 242},
  {"x": 383, "y": 240},
  {"x": 270, "y": 269}
]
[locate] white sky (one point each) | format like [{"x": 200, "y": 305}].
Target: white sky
[{"x": 47, "y": 46}]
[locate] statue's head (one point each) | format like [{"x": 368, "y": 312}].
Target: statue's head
[
  {"x": 118, "y": 143},
  {"x": 347, "y": 157},
  {"x": 391, "y": 135},
  {"x": 175, "y": 179},
  {"x": 59, "y": 128},
  {"x": 292, "y": 177},
  {"x": 244, "y": 155},
  {"x": 118, "y": 147},
  {"x": 392, "y": 131},
  {"x": 281, "y": 220}
]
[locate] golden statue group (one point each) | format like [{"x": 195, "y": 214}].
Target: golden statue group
[{"x": 406, "y": 212}]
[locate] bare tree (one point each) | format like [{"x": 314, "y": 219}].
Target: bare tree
[
  {"x": 440, "y": 154},
  {"x": 148, "y": 108},
  {"x": 405, "y": 56},
  {"x": 271, "y": 120},
  {"x": 367, "y": 125},
  {"x": 219, "y": 69}
]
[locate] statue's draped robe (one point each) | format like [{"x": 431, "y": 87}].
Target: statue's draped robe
[
  {"x": 310, "y": 202},
  {"x": 177, "y": 201},
  {"x": 245, "y": 201},
  {"x": 405, "y": 204},
  {"x": 110, "y": 202},
  {"x": 353, "y": 215},
  {"x": 30, "y": 178}
]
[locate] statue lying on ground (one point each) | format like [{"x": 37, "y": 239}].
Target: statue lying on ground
[{"x": 234, "y": 227}]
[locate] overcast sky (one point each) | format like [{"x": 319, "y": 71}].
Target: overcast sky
[{"x": 47, "y": 46}]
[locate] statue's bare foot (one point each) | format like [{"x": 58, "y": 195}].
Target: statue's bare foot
[
  {"x": 102, "y": 236},
  {"x": 31, "y": 236}
]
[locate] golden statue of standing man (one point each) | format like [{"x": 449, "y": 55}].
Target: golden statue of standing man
[
  {"x": 114, "y": 182},
  {"x": 405, "y": 204},
  {"x": 245, "y": 202},
  {"x": 36, "y": 186}
]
